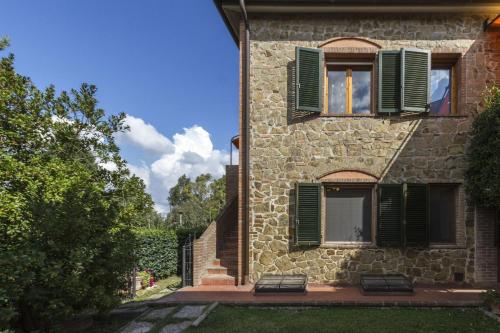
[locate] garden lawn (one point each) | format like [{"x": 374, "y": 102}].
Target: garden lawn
[
  {"x": 160, "y": 288},
  {"x": 356, "y": 320}
]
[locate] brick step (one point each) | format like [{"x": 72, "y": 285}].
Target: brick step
[
  {"x": 228, "y": 258},
  {"x": 217, "y": 270},
  {"x": 218, "y": 280}
]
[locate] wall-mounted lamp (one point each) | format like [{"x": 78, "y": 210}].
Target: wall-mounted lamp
[{"x": 492, "y": 25}]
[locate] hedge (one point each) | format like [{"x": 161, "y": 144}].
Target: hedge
[
  {"x": 156, "y": 249},
  {"x": 182, "y": 235}
]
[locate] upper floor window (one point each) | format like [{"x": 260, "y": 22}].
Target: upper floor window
[
  {"x": 349, "y": 89},
  {"x": 443, "y": 97},
  {"x": 440, "y": 91},
  {"x": 409, "y": 80}
]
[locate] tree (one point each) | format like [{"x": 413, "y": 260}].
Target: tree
[
  {"x": 65, "y": 215},
  {"x": 4, "y": 43},
  {"x": 198, "y": 202},
  {"x": 483, "y": 176}
]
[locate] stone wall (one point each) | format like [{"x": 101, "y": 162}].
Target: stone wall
[{"x": 395, "y": 149}]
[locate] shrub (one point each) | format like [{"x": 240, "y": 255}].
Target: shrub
[
  {"x": 65, "y": 220},
  {"x": 145, "y": 276},
  {"x": 183, "y": 233},
  {"x": 156, "y": 250},
  {"x": 483, "y": 176},
  {"x": 490, "y": 298}
]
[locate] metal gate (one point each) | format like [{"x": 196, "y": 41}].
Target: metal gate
[{"x": 187, "y": 261}]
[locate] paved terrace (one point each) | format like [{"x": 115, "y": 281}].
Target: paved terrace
[{"x": 326, "y": 295}]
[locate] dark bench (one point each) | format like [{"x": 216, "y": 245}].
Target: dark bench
[
  {"x": 281, "y": 284},
  {"x": 386, "y": 284}
]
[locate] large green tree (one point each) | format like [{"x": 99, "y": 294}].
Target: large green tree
[
  {"x": 483, "y": 174},
  {"x": 198, "y": 201},
  {"x": 67, "y": 204}
]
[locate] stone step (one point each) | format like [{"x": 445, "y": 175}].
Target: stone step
[
  {"x": 218, "y": 280},
  {"x": 216, "y": 262}
]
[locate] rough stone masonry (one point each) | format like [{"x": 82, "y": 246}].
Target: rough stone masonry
[{"x": 397, "y": 149}]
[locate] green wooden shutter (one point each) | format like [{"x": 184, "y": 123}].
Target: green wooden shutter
[
  {"x": 415, "y": 79},
  {"x": 389, "y": 81},
  {"x": 390, "y": 214},
  {"x": 416, "y": 214},
  {"x": 309, "y": 79},
  {"x": 307, "y": 213}
]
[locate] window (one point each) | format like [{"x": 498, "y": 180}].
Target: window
[
  {"x": 349, "y": 89},
  {"x": 440, "y": 91},
  {"x": 442, "y": 213},
  {"x": 443, "y": 85},
  {"x": 348, "y": 214}
]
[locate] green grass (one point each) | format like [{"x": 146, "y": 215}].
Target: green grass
[
  {"x": 356, "y": 320},
  {"x": 161, "y": 285}
]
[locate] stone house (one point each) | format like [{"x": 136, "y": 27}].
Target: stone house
[{"x": 354, "y": 121}]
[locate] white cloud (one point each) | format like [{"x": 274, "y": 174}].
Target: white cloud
[
  {"x": 190, "y": 152},
  {"x": 144, "y": 136}
]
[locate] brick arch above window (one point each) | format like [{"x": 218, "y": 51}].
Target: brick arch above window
[
  {"x": 349, "y": 44},
  {"x": 348, "y": 176}
]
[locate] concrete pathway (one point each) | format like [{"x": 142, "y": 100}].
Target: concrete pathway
[{"x": 176, "y": 319}]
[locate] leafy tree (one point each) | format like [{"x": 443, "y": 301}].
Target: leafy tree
[
  {"x": 483, "y": 176},
  {"x": 151, "y": 220},
  {"x": 65, "y": 218},
  {"x": 198, "y": 201},
  {"x": 181, "y": 192},
  {"x": 4, "y": 43}
]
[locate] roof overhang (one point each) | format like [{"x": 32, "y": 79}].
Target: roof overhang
[{"x": 230, "y": 9}]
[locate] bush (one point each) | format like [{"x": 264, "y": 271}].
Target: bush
[
  {"x": 183, "y": 233},
  {"x": 490, "y": 298},
  {"x": 156, "y": 250},
  {"x": 145, "y": 276},
  {"x": 483, "y": 176},
  {"x": 65, "y": 220}
]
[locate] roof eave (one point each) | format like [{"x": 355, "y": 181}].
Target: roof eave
[
  {"x": 234, "y": 33},
  {"x": 227, "y": 6}
]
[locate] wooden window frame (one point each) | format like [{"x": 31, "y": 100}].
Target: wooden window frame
[
  {"x": 373, "y": 225},
  {"x": 456, "y": 189},
  {"x": 438, "y": 62},
  {"x": 348, "y": 66}
]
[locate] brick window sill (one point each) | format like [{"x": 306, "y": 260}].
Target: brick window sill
[
  {"x": 371, "y": 115},
  {"x": 447, "y": 246},
  {"x": 341, "y": 245}
]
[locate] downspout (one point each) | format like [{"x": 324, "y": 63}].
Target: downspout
[{"x": 246, "y": 82}]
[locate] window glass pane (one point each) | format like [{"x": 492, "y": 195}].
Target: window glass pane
[
  {"x": 442, "y": 211},
  {"x": 440, "y": 92},
  {"x": 336, "y": 91},
  {"x": 348, "y": 214},
  {"x": 361, "y": 92}
]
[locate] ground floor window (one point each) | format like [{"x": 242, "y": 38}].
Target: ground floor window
[
  {"x": 348, "y": 214},
  {"x": 442, "y": 213}
]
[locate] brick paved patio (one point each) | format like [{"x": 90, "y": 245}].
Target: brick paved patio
[{"x": 326, "y": 295}]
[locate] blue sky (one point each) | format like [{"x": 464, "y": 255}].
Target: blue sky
[{"x": 170, "y": 65}]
